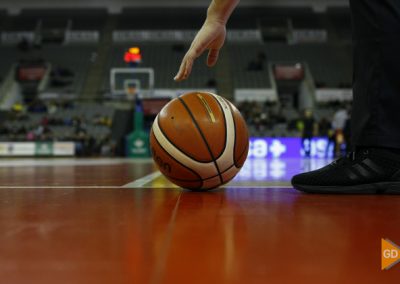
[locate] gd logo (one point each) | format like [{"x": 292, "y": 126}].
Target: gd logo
[{"x": 390, "y": 254}]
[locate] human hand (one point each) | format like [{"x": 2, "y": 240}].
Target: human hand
[{"x": 211, "y": 36}]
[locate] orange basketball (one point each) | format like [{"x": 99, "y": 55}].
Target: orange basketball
[{"x": 199, "y": 141}]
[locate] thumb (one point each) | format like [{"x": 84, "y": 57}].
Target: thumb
[{"x": 212, "y": 57}]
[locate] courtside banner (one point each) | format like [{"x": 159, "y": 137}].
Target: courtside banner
[
  {"x": 44, "y": 149},
  {"x": 4, "y": 149},
  {"x": 17, "y": 149},
  {"x": 63, "y": 149},
  {"x": 35, "y": 149},
  {"x": 288, "y": 147}
]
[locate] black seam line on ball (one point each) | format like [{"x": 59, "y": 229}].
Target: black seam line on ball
[
  {"x": 224, "y": 171},
  {"x": 241, "y": 155},
  {"x": 202, "y": 136},
  {"x": 180, "y": 150},
  {"x": 206, "y": 179},
  {"x": 225, "y": 125},
  {"x": 191, "y": 170}
]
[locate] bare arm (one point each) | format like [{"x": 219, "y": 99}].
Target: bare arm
[
  {"x": 211, "y": 36},
  {"x": 220, "y": 10}
]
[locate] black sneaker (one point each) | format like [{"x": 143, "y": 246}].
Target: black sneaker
[{"x": 373, "y": 170}]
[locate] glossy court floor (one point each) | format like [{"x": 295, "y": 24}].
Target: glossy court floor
[{"x": 119, "y": 221}]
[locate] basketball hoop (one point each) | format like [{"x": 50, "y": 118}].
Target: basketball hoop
[
  {"x": 132, "y": 88},
  {"x": 122, "y": 81}
]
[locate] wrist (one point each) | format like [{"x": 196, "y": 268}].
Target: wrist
[
  {"x": 216, "y": 18},
  {"x": 220, "y": 10},
  {"x": 211, "y": 20}
]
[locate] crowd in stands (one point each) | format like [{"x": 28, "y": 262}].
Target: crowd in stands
[
  {"x": 69, "y": 64},
  {"x": 20, "y": 125},
  {"x": 41, "y": 121},
  {"x": 258, "y": 64},
  {"x": 334, "y": 124},
  {"x": 261, "y": 116}
]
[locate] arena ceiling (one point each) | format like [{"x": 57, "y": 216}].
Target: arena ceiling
[{"x": 14, "y": 6}]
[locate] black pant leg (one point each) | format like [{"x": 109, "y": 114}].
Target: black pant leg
[{"x": 376, "y": 86}]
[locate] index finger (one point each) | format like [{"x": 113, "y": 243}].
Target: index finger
[
  {"x": 186, "y": 68},
  {"x": 197, "y": 47}
]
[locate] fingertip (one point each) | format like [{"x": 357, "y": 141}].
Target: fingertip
[
  {"x": 180, "y": 77},
  {"x": 212, "y": 57},
  {"x": 211, "y": 63}
]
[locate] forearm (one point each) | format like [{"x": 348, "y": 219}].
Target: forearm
[{"x": 220, "y": 10}]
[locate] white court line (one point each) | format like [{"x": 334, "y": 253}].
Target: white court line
[
  {"x": 137, "y": 187},
  {"x": 57, "y": 186},
  {"x": 134, "y": 184},
  {"x": 259, "y": 186},
  {"x": 59, "y": 162},
  {"x": 228, "y": 187},
  {"x": 142, "y": 181}
]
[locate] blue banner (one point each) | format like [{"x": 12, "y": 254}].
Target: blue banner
[{"x": 284, "y": 147}]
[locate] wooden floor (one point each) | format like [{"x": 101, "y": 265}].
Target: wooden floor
[{"x": 118, "y": 221}]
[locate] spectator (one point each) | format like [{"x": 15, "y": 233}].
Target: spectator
[
  {"x": 338, "y": 124},
  {"x": 258, "y": 63},
  {"x": 325, "y": 130},
  {"x": 309, "y": 129},
  {"x": 45, "y": 121},
  {"x": 347, "y": 132},
  {"x": 30, "y": 135},
  {"x": 52, "y": 109},
  {"x": 24, "y": 45}
]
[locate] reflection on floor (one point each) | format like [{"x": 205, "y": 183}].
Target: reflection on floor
[
  {"x": 255, "y": 173},
  {"x": 129, "y": 173},
  {"x": 277, "y": 170}
]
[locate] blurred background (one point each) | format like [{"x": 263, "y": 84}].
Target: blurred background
[{"x": 87, "y": 78}]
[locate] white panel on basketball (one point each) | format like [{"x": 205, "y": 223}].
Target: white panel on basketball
[
  {"x": 226, "y": 159},
  {"x": 205, "y": 170}
]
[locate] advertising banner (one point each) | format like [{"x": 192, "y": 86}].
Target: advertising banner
[
  {"x": 44, "y": 149},
  {"x": 37, "y": 149},
  {"x": 288, "y": 147}
]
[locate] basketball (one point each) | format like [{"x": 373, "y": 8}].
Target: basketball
[{"x": 199, "y": 141}]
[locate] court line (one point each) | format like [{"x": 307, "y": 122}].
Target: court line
[
  {"x": 20, "y": 163},
  {"x": 136, "y": 187},
  {"x": 229, "y": 187},
  {"x": 142, "y": 181},
  {"x": 57, "y": 186},
  {"x": 258, "y": 186}
]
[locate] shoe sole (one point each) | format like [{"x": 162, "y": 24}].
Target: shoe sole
[{"x": 371, "y": 188}]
